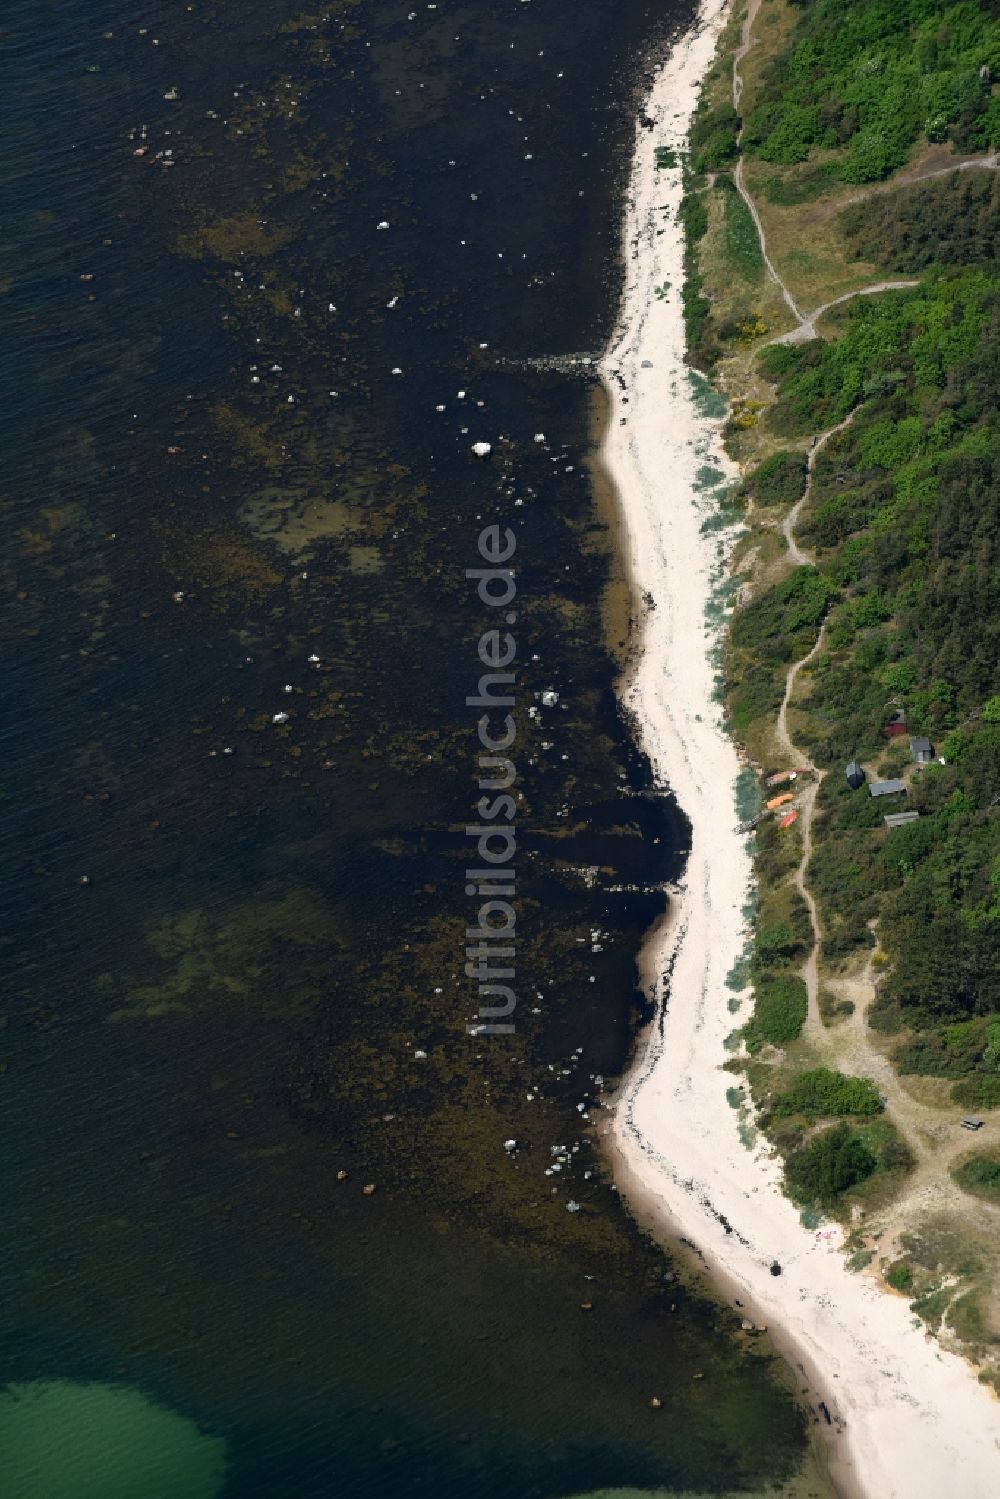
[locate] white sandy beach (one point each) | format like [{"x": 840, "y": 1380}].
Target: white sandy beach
[{"x": 917, "y": 1425}]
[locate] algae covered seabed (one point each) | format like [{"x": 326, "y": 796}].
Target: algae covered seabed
[{"x": 228, "y": 936}]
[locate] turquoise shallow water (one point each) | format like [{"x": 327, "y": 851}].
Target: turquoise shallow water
[
  {"x": 88, "y": 1441},
  {"x": 229, "y": 937}
]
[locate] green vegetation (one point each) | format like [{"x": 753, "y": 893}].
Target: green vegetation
[
  {"x": 900, "y": 1276},
  {"x": 831, "y": 1163},
  {"x": 823, "y": 1093},
  {"x": 773, "y": 629},
  {"x": 771, "y": 625},
  {"x": 780, "y": 1009},
  {"x": 953, "y": 1050},
  {"x": 953, "y": 220},
  {"x": 903, "y": 522},
  {"x": 774, "y": 945},
  {"x": 714, "y": 135},
  {"x": 832, "y": 1009},
  {"x": 693, "y": 216},
  {"x": 869, "y": 78},
  {"x": 977, "y": 1092},
  {"x": 967, "y": 1319},
  {"x": 802, "y": 186},
  {"x": 740, "y": 242},
  {"x": 980, "y": 1175},
  {"x": 779, "y": 480}
]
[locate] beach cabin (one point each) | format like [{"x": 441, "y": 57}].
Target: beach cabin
[
  {"x": 899, "y": 819},
  {"x": 885, "y": 788},
  {"x": 855, "y": 775},
  {"x": 922, "y": 751}
]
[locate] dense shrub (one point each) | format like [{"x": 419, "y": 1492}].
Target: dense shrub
[
  {"x": 980, "y": 1176},
  {"x": 824, "y": 1093},
  {"x": 774, "y": 945},
  {"x": 787, "y": 189},
  {"x": 980, "y": 1091},
  {"x": 714, "y": 134},
  {"x": 780, "y": 1009},
  {"x": 830, "y": 1164},
  {"x": 904, "y": 507},
  {"x": 741, "y": 245},
  {"x": 693, "y": 217},
  {"x": 953, "y": 220},
  {"x": 951, "y": 1051},
  {"x": 753, "y": 697},
  {"x": 867, "y": 79},
  {"x": 771, "y": 622},
  {"x": 900, "y": 1276},
  {"x": 779, "y": 480}
]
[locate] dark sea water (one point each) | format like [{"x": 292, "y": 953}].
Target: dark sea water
[{"x": 226, "y": 937}]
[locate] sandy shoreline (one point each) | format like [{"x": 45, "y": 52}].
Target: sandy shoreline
[{"x": 916, "y": 1425}]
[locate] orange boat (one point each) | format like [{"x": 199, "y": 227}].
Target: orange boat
[{"x": 779, "y": 801}]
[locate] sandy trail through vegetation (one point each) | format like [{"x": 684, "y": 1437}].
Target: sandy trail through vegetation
[{"x": 917, "y": 1424}]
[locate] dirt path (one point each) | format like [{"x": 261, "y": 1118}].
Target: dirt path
[
  {"x": 807, "y": 802},
  {"x": 932, "y": 1132},
  {"x": 805, "y": 328},
  {"x": 746, "y": 42},
  {"x": 791, "y": 519},
  {"x": 989, "y": 163}
]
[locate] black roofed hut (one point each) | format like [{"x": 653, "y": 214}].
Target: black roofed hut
[{"x": 855, "y": 775}]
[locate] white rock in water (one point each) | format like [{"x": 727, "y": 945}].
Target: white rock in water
[
  {"x": 482, "y": 449},
  {"x": 550, "y": 697}
]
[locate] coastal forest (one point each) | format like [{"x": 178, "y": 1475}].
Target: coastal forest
[
  {"x": 903, "y": 527},
  {"x": 865, "y": 139}
]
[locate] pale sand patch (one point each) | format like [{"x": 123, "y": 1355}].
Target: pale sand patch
[{"x": 917, "y": 1424}]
